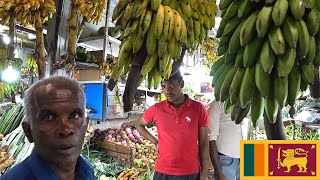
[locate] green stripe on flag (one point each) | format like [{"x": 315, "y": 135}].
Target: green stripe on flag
[{"x": 248, "y": 160}]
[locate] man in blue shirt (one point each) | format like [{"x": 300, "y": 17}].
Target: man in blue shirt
[{"x": 56, "y": 123}]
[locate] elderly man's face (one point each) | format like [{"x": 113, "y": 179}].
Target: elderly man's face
[{"x": 58, "y": 126}]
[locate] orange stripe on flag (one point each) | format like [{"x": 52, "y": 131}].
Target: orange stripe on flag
[{"x": 259, "y": 160}]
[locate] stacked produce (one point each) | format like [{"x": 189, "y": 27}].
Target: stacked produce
[
  {"x": 132, "y": 173},
  {"x": 155, "y": 35},
  {"x": 11, "y": 119},
  {"x": 5, "y": 159},
  {"x": 270, "y": 49},
  {"x": 84, "y": 56},
  {"x": 143, "y": 151},
  {"x": 18, "y": 145},
  {"x": 92, "y": 10}
]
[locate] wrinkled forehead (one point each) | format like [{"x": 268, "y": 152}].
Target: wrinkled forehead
[{"x": 51, "y": 93}]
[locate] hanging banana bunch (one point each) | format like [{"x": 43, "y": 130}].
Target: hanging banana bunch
[
  {"x": 36, "y": 13},
  {"x": 270, "y": 49},
  {"x": 5, "y": 6},
  {"x": 32, "y": 64},
  {"x": 163, "y": 27},
  {"x": 92, "y": 11},
  {"x": 208, "y": 47}
]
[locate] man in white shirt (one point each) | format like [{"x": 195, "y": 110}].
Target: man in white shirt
[{"x": 224, "y": 143}]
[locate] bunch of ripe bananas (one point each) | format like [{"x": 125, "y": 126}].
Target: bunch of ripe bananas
[
  {"x": 105, "y": 68},
  {"x": 30, "y": 11},
  {"x": 208, "y": 47},
  {"x": 163, "y": 27},
  {"x": 5, "y": 6},
  {"x": 32, "y": 64},
  {"x": 92, "y": 10},
  {"x": 270, "y": 48}
]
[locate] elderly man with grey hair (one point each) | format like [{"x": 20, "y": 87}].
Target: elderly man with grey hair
[{"x": 56, "y": 123}]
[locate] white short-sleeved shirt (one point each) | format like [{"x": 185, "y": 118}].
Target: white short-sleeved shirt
[{"x": 224, "y": 131}]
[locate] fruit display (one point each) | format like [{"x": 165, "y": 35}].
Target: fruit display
[
  {"x": 5, "y": 159},
  {"x": 11, "y": 119},
  {"x": 208, "y": 48},
  {"x": 154, "y": 36},
  {"x": 91, "y": 11},
  {"x": 31, "y": 63},
  {"x": 143, "y": 151},
  {"x": 132, "y": 173},
  {"x": 270, "y": 49},
  {"x": 18, "y": 146},
  {"x": 84, "y": 56}
]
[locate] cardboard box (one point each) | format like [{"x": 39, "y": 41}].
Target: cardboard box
[{"x": 87, "y": 75}]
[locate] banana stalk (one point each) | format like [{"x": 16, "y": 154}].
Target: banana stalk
[
  {"x": 12, "y": 24},
  {"x": 41, "y": 54},
  {"x": 72, "y": 40},
  {"x": 80, "y": 28}
]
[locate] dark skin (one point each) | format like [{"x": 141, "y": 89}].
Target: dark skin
[
  {"x": 215, "y": 160},
  {"x": 172, "y": 89},
  {"x": 57, "y": 128}
]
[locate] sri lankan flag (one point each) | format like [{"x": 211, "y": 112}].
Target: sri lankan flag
[{"x": 279, "y": 159}]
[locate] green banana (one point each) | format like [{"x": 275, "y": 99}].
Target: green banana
[
  {"x": 224, "y": 91},
  {"x": 271, "y": 107},
  {"x": 220, "y": 81},
  {"x": 290, "y": 31},
  {"x": 267, "y": 57},
  {"x": 216, "y": 66},
  {"x": 186, "y": 8},
  {"x": 269, "y": 2},
  {"x": 294, "y": 81},
  {"x": 234, "y": 42},
  {"x": 239, "y": 58},
  {"x": 313, "y": 21},
  {"x": 151, "y": 42},
  {"x": 257, "y": 108},
  {"x": 231, "y": 26},
  {"x": 145, "y": 21},
  {"x": 262, "y": 80},
  {"x": 230, "y": 58},
  {"x": 308, "y": 73},
  {"x": 304, "y": 39},
  {"x": 232, "y": 10},
  {"x": 245, "y": 8},
  {"x": 225, "y": 3},
  {"x": 119, "y": 8},
  {"x": 196, "y": 28},
  {"x": 263, "y": 21},
  {"x": 222, "y": 49},
  {"x": 248, "y": 29},
  {"x": 316, "y": 60},
  {"x": 297, "y": 8},
  {"x": 219, "y": 72},
  {"x": 224, "y": 39},
  {"x": 312, "y": 50},
  {"x": 201, "y": 7},
  {"x": 172, "y": 48},
  {"x": 236, "y": 85},
  {"x": 149, "y": 62},
  {"x": 309, "y": 3},
  {"x": 286, "y": 62},
  {"x": 304, "y": 84},
  {"x": 277, "y": 41},
  {"x": 279, "y": 11},
  {"x": 247, "y": 87},
  {"x": 162, "y": 46},
  {"x": 156, "y": 79},
  {"x": 155, "y": 4},
  {"x": 227, "y": 106},
  {"x": 163, "y": 62},
  {"x": 251, "y": 52},
  {"x": 281, "y": 90},
  {"x": 222, "y": 25}
]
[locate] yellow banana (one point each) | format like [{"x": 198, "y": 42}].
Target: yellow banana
[{"x": 168, "y": 25}]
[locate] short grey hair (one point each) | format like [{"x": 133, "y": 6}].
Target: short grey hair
[{"x": 55, "y": 81}]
